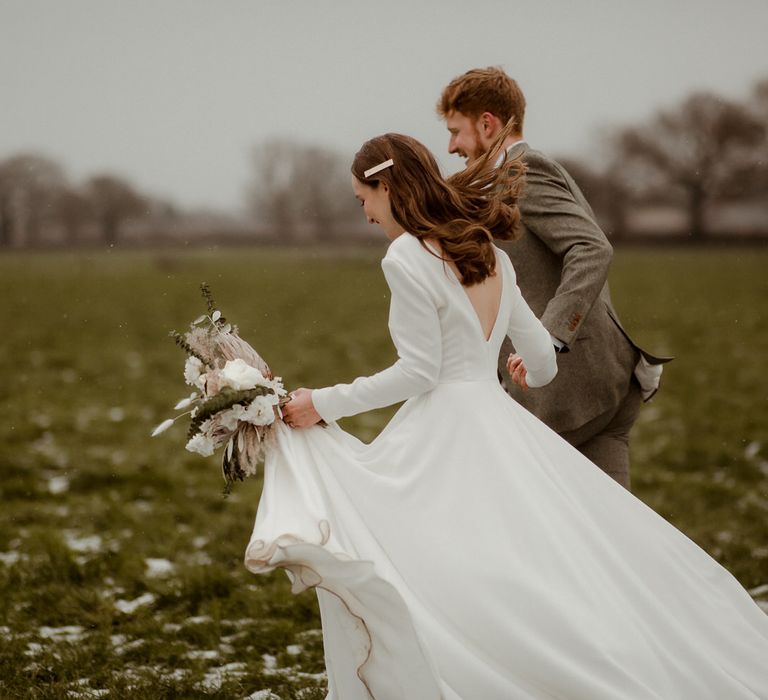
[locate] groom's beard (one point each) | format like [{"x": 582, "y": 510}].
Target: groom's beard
[{"x": 477, "y": 150}]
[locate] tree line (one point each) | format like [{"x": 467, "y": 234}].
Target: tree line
[
  {"x": 36, "y": 196},
  {"x": 702, "y": 152}
]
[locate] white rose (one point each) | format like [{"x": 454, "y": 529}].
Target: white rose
[
  {"x": 239, "y": 375},
  {"x": 276, "y": 385},
  {"x": 192, "y": 371},
  {"x": 201, "y": 444},
  {"x": 261, "y": 410},
  {"x": 228, "y": 419}
]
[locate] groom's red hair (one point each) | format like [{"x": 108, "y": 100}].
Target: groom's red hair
[{"x": 484, "y": 90}]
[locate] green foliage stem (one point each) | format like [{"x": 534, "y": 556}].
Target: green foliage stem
[
  {"x": 226, "y": 398},
  {"x": 181, "y": 341}
]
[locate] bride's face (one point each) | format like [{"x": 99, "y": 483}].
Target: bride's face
[{"x": 375, "y": 204}]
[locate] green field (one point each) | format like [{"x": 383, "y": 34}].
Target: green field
[{"x": 121, "y": 568}]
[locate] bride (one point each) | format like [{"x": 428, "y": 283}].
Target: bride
[{"x": 468, "y": 552}]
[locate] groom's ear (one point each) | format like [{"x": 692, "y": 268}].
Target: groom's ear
[{"x": 489, "y": 125}]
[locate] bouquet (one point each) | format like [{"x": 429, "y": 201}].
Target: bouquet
[{"x": 235, "y": 401}]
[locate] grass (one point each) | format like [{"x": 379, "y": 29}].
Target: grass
[{"x": 120, "y": 563}]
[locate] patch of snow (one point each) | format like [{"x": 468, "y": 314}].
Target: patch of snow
[
  {"x": 70, "y": 633},
  {"x": 41, "y": 420},
  {"x": 322, "y": 676},
  {"x": 215, "y": 677},
  {"x": 310, "y": 634},
  {"x": 158, "y": 568},
  {"x": 751, "y": 451},
  {"x": 202, "y": 654},
  {"x": 127, "y": 646},
  {"x": 244, "y": 622},
  {"x": 9, "y": 558},
  {"x": 130, "y": 606},
  {"x": 263, "y": 695},
  {"x": 47, "y": 447},
  {"x": 234, "y": 667},
  {"x": 116, "y": 414},
  {"x": 178, "y": 674},
  {"x": 90, "y": 543},
  {"x": 234, "y": 637},
  {"x": 198, "y": 619},
  {"x": 58, "y": 484},
  {"x": 201, "y": 559},
  {"x": 33, "y": 649},
  {"x": 87, "y": 693},
  {"x": 304, "y": 692}
]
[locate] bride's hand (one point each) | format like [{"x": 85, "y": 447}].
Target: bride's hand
[
  {"x": 516, "y": 369},
  {"x": 300, "y": 412}
]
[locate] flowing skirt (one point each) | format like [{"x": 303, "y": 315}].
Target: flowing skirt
[{"x": 470, "y": 553}]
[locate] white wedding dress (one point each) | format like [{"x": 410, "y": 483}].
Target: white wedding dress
[{"x": 469, "y": 552}]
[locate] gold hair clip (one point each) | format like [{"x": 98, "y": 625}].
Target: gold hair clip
[{"x": 378, "y": 168}]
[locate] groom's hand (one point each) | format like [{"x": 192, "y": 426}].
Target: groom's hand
[
  {"x": 517, "y": 371},
  {"x": 299, "y": 411}
]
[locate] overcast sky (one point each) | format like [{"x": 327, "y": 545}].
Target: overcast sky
[{"x": 173, "y": 94}]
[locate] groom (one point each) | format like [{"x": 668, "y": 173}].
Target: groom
[{"x": 562, "y": 262}]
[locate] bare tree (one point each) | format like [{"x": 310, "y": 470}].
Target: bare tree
[
  {"x": 6, "y": 213},
  {"x": 324, "y": 183},
  {"x": 299, "y": 188},
  {"x": 698, "y": 150},
  {"x": 73, "y": 210},
  {"x": 605, "y": 192},
  {"x": 269, "y": 193},
  {"x": 759, "y": 99},
  {"x": 752, "y": 182},
  {"x": 113, "y": 201},
  {"x": 29, "y": 187}
]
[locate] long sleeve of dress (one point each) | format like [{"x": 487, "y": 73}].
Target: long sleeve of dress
[
  {"x": 415, "y": 329},
  {"x": 531, "y": 340}
]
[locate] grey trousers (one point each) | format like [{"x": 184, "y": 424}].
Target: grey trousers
[{"x": 604, "y": 440}]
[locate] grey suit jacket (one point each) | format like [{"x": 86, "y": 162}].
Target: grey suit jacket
[{"x": 562, "y": 262}]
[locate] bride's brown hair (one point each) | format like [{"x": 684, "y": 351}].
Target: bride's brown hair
[{"x": 463, "y": 213}]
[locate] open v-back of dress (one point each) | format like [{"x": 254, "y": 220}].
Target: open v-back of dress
[{"x": 470, "y": 553}]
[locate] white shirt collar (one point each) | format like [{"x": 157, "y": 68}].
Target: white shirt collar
[{"x": 509, "y": 148}]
